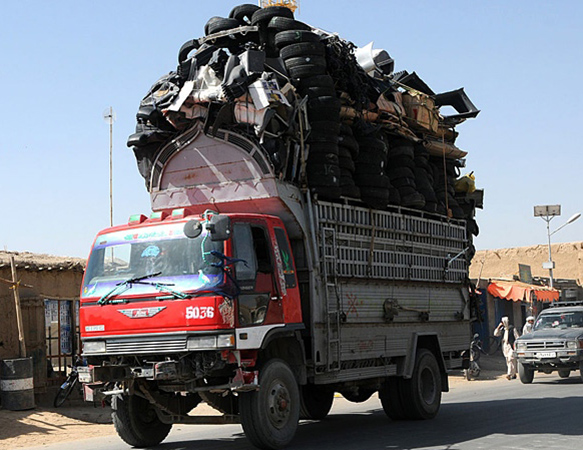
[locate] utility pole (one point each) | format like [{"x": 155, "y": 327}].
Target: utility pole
[{"x": 109, "y": 116}]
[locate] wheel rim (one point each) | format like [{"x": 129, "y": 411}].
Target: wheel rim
[
  {"x": 427, "y": 386},
  {"x": 279, "y": 404}
]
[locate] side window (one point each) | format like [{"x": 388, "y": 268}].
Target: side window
[
  {"x": 286, "y": 258},
  {"x": 243, "y": 249},
  {"x": 262, "y": 250}
]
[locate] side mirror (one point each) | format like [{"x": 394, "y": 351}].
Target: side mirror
[
  {"x": 219, "y": 227},
  {"x": 192, "y": 229}
]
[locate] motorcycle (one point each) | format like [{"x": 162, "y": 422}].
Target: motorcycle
[{"x": 473, "y": 370}]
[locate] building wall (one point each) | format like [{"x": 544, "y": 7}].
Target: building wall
[{"x": 47, "y": 284}]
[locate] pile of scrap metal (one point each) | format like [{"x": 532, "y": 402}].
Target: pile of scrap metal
[{"x": 331, "y": 117}]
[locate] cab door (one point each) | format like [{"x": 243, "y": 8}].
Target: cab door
[{"x": 259, "y": 302}]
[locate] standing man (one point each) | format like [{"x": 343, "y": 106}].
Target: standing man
[
  {"x": 528, "y": 325},
  {"x": 509, "y": 335}
]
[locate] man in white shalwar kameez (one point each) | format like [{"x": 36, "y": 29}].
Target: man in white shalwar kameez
[{"x": 509, "y": 335}]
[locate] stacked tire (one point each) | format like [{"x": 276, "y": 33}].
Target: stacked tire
[
  {"x": 401, "y": 172},
  {"x": 445, "y": 189},
  {"x": 304, "y": 58},
  {"x": 370, "y": 175},
  {"x": 424, "y": 178},
  {"x": 347, "y": 154}
]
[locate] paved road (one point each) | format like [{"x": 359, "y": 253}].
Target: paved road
[{"x": 497, "y": 415}]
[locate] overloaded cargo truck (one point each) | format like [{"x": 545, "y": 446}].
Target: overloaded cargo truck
[{"x": 258, "y": 284}]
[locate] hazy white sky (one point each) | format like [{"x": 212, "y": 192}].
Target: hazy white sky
[{"x": 65, "y": 62}]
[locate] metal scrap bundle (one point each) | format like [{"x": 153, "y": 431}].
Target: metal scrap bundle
[{"x": 331, "y": 117}]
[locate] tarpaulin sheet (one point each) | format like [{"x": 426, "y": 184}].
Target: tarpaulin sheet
[{"x": 517, "y": 291}]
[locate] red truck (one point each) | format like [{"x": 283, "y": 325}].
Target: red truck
[{"x": 250, "y": 294}]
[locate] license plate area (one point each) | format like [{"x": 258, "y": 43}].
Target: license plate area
[{"x": 541, "y": 355}]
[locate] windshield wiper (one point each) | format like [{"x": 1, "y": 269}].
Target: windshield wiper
[
  {"x": 125, "y": 284},
  {"x": 164, "y": 287}
]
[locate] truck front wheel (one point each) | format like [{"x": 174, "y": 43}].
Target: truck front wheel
[
  {"x": 315, "y": 401},
  {"x": 421, "y": 395},
  {"x": 270, "y": 415},
  {"x": 525, "y": 373},
  {"x": 136, "y": 421}
]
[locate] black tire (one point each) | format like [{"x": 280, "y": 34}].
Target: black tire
[
  {"x": 323, "y": 147},
  {"x": 323, "y": 174},
  {"x": 391, "y": 400},
  {"x": 284, "y": 38},
  {"x": 372, "y": 158},
  {"x": 525, "y": 373},
  {"x": 371, "y": 180},
  {"x": 306, "y": 70},
  {"x": 136, "y": 421},
  {"x": 402, "y": 150},
  {"x": 264, "y": 15},
  {"x": 303, "y": 49},
  {"x": 216, "y": 24},
  {"x": 315, "y": 401},
  {"x": 244, "y": 13},
  {"x": 325, "y": 126},
  {"x": 422, "y": 392},
  {"x": 298, "y": 61},
  {"x": 350, "y": 190},
  {"x": 346, "y": 163},
  {"x": 186, "y": 48},
  {"x": 315, "y": 81},
  {"x": 403, "y": 182},
  {"x": 323, "y": 158},
  {"x": 270, "y": 415},
  {"x": 372, "y": 144},
  {"x": 64, "y": 392},
  {"x": 284, "y": 23},
  {"x": 360, "y": 396},
  {"x": 564, "y": 373},
  {"x": 315, "y": 92},
  {"x": 327, "y": 101}
]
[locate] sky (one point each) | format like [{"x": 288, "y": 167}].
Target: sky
[{"x": 64, "y": 63}]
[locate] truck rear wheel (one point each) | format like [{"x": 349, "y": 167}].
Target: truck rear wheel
[
  {"x": 564, "y": 373},
  {"x": 421, "y": 395},
  {"x": 315, "y": 401},
  {"x": 270, "y": 415},
  {"x": 390, "y": 397},
  {"x": 136, "y": 421},
  {"x": 525, "y": 373}
]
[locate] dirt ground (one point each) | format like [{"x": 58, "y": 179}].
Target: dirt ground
[{"x": 47, "y": 425}]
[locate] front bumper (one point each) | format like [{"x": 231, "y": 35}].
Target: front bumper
[{"x": 566, "y": 358}]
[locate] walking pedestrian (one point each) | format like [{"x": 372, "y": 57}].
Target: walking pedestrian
[
  {"x": 528, "y": 325},
  {"x": 509, "y": 335}
]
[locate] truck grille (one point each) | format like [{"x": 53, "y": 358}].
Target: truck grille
[
  {"x": 141, "y": 345},
  {"x": 545, "y": 345}
]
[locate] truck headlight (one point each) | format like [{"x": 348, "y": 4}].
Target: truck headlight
[
  {"x": 521, "y": 346},
  {"x": 572, "y": 345},
  {"x": 210, "y": 342},
  {"x": 201, "y": 343},
  {"x": 93, "y": 347}
]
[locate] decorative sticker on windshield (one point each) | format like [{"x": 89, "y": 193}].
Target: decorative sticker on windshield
[{"x": 151, "y": 251}]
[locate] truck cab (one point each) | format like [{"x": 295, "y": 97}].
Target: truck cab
[{"x": 186, "y": 295}]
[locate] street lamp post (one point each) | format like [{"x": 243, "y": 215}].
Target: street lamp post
[{"x": 548, "y": 212}]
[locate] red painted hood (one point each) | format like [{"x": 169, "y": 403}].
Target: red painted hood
[{"x": 155, "y": 316}]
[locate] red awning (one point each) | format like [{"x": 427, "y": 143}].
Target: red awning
[{"x": 517, "y": 291}]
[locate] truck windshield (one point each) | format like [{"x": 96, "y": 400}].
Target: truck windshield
[
  {"x": 560, "y": 320},
  {"x": 182, "y": 263}
]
